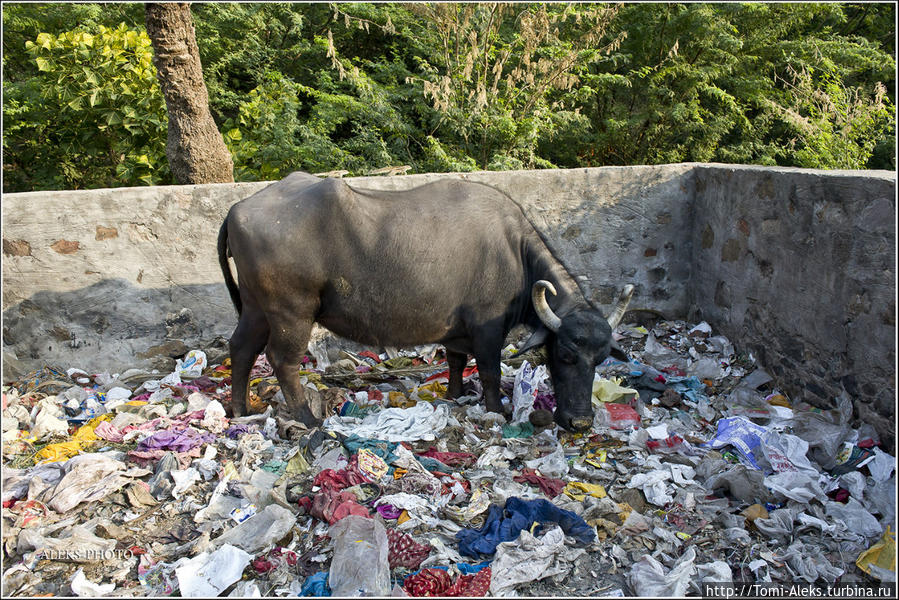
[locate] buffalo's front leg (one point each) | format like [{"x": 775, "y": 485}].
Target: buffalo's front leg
[
  {"x": 487, "y": 356},
  {"x": 286, "y": 346},
  {"x": 245, "y": 344},
  {"x": 456, "y": 362}
]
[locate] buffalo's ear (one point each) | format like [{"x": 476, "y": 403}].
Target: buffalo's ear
[
  {"x": 538, "y": 338},
  {"x": 617, "y": 352}
]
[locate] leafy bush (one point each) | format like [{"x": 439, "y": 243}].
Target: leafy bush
[{"x": 92, "y": 117}]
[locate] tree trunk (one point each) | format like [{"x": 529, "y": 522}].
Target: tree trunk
[{"x": 195, "y": 148}]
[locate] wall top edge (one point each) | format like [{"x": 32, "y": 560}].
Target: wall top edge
[{"x": 876, "y": 174}]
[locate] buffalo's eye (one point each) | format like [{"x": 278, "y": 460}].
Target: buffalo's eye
[{"x": 566, "y": 355}]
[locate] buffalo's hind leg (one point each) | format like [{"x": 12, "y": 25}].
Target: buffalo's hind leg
[
  {"x": 456, "y": 362},
  {"x": 487, "y": 354},
  {"x": 286, "y": 346},
  {"x": 247, "y": 341}
]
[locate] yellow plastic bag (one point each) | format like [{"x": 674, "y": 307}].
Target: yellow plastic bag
[
  {"x": 58, "y": 452},
  {"x": 297, "y": 465},
  {"x": 432, "y": 391},
  {"x": 86, "y": 433},
  {"x": 882, "y": 554},
  {"x": 399, "y": 400},
  {"x": 578, "y": 490},
  {"x": 611, "y": 390}
]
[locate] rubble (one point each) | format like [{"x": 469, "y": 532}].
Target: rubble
[{"x": 697, "y": 470}]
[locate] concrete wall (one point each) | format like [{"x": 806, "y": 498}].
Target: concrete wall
[
  {"x": 795, "y": 265},
  {"x": 108, "y": 279},
  {"x": 798, "y": 267}
]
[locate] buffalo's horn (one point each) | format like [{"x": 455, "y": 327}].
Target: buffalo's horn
[
  {"x": 546, "y": 314},
  {"x": 623, "y": 300}
]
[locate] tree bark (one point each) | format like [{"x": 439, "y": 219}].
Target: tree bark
[{"x": 195, "y": 148}]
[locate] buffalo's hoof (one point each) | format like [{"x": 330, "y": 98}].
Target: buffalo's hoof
[
  {"x": 574, "y": 423},
  {"x": 305, "y": 416}
]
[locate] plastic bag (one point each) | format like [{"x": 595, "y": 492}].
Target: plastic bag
[
  {"x": 882, "y": 465},
  {"x": 551, "y": 465},
  {"x": 826, "y": 431},
  {"x": 855, "y": 517},
  {"x": 209, "y": 573},
  {"x": 621, "y": 416},
  {"x": 193, "y": 364},
  {"x": 880, "y": 557},
  {"x": 524, "y": 391},
  {"x": 607, "y": 390},
  {"x": 743, "y": 435},
  {"x": 259, "y": 531},
  {"x": 360, "y": 565},
  {"x": 83, "y": 587},
  {"x": 795, "y": 485},
  {"x": 656, "y": 354},
  {"x": 647, "y": 576}
]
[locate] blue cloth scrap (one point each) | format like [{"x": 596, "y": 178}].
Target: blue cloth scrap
[
  {"x": 432, "y": 464},
  {"x": 464, "y": 569},
  {"x": 504, "y": 525},
  {"x": 467, "y": 569},
  {"x": 316, "y": 585},
  {"x": 382, "y": 448}
]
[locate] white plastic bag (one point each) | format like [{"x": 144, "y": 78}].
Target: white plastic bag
[
  {"x": 259, "y": 531},
  {"x": 648, "y": 576},
  {"x": 524, "y": 391},
  {"x": 85, "y": 588},
  {"x": 209, "y": 573},
  {"x": 359, "y": 566},
  {"x": 193, "y": 364},
  {"x": 855, "y": 517}
]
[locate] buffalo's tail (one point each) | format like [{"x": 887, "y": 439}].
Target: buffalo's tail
[{"x": 226, "y": 268}]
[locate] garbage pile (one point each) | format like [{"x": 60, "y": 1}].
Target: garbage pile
[{"x": 697, "y": 470}]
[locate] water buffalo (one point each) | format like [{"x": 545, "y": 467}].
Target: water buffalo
[{"x": 452, "y": 262}]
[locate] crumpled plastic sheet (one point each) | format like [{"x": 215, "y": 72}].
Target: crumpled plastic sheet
[
  {"x": 207, "y": 574},
  {"x": 505, "y": 524},
  {"x": 553, "y": 464},
  {"x": 654, "y": 483},
  {"x": 648, "y": 577},
  {"x": 259, "y": 531},
  {"x": 524, "y": 392},
  {"x": 15, "y": 482},
  {"x": 531, "y": 558},
  {"x": 420, "y": 422},
  {"x": 795, "y": 485},
  {"x": 806, "y": 561},
  {"x": 779, "y": 523},
  {"x": 855, "y": 517},
  {"x": 88, "y": 477},
  {"x": 85, "y": 588},
  {"x": 80, "y": 545}
]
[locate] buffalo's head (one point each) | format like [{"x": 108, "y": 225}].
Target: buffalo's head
[{"x": 576, "y": 343}]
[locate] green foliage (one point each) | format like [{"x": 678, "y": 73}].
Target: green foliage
[
  {"x": 836, "y": 127},
  {"x": 705, "y": 82},
  {"x": 93, "y": 117},
  {"x": 455, "y": 87}
]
